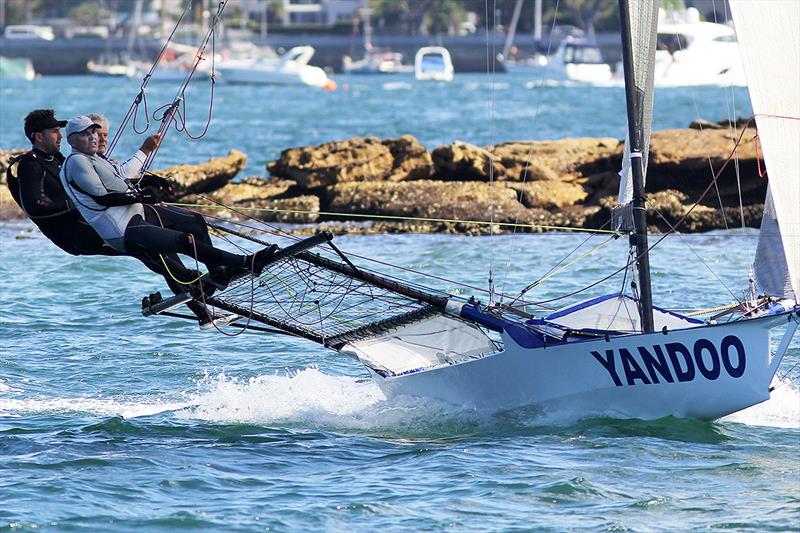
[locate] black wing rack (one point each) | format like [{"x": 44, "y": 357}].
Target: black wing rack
[{"x": 303, "y": 293}]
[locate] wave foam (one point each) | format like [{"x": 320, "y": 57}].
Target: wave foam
[
  {"x": 93, "y": 406},
  {"x": 781, "y": 410}
]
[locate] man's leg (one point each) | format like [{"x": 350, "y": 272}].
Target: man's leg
[{"x": 178, "y": 219}]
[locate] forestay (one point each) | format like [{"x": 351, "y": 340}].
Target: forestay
[{"x": 770, "y": 44}]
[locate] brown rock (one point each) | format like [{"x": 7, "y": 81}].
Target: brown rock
[
  {"x": 687, "y": 159},
  {"x": 565, "y": 160},
  {"x": 9, "y": 210},
  {"x": 548, "y": 194},
  {"x": 464, "y": 161},
  {"x": 411, "y": 160},
  {"x": 269, "y": 200},
  {"x": 427, "y": 199},
  {"x": 667, "y": 209},
  {"x": 357, "y": 159},
  {"x": 5, "y": 158},
  {"x": 205, "y": 177}
]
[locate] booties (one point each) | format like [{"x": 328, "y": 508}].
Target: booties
[
  {"x": 221, "y": 276},
  {"x": 204, "y": 286}
]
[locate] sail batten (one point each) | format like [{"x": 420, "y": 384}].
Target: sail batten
[{"x": 770, "y": 45}]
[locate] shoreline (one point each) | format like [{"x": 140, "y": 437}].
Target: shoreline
[{"x": 367, "y": 185}]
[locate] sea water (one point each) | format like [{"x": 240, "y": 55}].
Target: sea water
[{"x": 110, "y": 421}]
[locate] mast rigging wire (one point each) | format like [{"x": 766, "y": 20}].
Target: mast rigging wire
[{"x": 133, "y": 110}]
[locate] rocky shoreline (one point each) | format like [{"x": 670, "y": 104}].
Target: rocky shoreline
[{"x": 371, "y": 185}]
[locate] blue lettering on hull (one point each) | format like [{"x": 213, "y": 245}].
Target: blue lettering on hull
[{"x": 674, "y": 361}]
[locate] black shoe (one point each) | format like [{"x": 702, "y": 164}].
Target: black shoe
[
  {"x": 257, "y": 261},
  {"x": 221, "y": 276},
  {"x": 204, "y": 287}
]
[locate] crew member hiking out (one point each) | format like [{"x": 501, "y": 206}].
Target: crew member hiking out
[
  {"x": 115, "y": 209},
  {"x": 38, "y": 191}
]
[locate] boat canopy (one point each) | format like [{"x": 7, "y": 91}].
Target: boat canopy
[{"x": 615, "y": 312}]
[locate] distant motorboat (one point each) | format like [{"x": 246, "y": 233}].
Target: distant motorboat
[
  {"x": 291, "y": 68},
  {"x": 106, "y": 66},
  {"x": 433, "y": 63},
  {"x": 575, "y": 60},
  {"x": 16, "y": 68}
]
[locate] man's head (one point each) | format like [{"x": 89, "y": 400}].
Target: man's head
[
  {"x": 43, "y": 130},
  {"x": 82, "y": 134},
  {"x": 102, "y": 131}
]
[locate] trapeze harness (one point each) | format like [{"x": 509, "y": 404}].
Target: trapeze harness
[{"x": 38, "y": 191}]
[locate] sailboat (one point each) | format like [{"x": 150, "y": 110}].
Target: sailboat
[
  {"x": 374, "y": 61},
  {"x": 118, "y": 65},
  {"x": 617, "y": 355}
]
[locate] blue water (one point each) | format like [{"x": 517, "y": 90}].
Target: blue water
[{"x": 113, "y": 422}]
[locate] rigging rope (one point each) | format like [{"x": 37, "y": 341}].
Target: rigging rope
[
  {"x": 133, "y": 110},
  {"x": 173, "y": 110},
  {"x": 396, "y": 217}
]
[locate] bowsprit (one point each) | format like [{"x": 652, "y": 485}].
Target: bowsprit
[{"x": 674, "y": 361}]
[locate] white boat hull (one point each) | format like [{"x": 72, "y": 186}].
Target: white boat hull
[
  {"x": 266, "y": 76},
  {"x": 704, "y": 372}
]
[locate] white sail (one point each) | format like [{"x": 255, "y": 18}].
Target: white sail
[
  {"x": 772, "y": 272},
  {"x": 767, "y": 31},
  {"x": 644, "y": 21}
]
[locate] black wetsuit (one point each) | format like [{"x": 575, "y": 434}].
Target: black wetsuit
[{"x": 38, "y": 191}]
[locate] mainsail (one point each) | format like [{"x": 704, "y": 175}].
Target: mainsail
[
  {"x": 644, "y": 21},
  {"x": 770, "y": 44}
]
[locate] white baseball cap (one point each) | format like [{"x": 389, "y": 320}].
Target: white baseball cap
[{"x": 79, "y": 124}]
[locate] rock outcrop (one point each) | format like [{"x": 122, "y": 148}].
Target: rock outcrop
[
  {"x": 520, "y": 186},
  {"x": 205, "y": 177},
  {"x": 354, "y": 160}
]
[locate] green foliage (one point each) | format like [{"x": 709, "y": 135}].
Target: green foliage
[
  {"x": 19, "y": 11},
  {"x": 89, "y": 13}
]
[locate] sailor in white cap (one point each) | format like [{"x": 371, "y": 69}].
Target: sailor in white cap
[{"x": 115, "y": 209}]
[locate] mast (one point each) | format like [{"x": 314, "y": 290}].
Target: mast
[
  {"x": 634, "y": 99},
  {"x": 512, "y": 29},
  {"x": 537, "y": 23}
]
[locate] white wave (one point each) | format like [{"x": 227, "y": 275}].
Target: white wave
[
  {"x": 781, "y": 410},
  {"x": 312, "y": 398},
  {"x": 397, "y": 86},
  {"x": 105, "y": 407},
  {"x": 5, "y": 387}
]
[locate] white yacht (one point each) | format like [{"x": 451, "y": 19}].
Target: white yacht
[
  {"x": 433, "y": 63},
  {"x": 692, "y": 52},
  {"x": 575, "y": 60},
  {"x": 291, "y": 68}
]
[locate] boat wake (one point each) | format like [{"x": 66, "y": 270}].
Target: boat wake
[
  {"x": 310, "y": 398},
  {"x": 782, "y": 410},
  {"x": 104, "y": 407}
]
